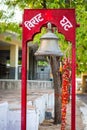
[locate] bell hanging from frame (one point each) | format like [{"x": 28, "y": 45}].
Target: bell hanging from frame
[{"x": 49, "y": 44}]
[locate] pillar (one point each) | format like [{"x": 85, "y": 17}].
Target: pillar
[{"x": 14, "y": 62}]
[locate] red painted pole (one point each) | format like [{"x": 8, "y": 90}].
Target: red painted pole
[
  {"x": 73, "y": 103},
  {"x": 24, "y": 86}
]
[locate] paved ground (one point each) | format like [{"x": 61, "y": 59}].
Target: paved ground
[
  {"x": 48, "y": 125},
  {"x": 15, "y": 96},
  {"x": 83, "y": 97}
]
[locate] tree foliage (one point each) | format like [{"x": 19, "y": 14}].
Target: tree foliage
[{"x": 81, "y": 17}]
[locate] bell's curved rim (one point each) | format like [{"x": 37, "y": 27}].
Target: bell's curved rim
[{"x": 47, "y": 53}]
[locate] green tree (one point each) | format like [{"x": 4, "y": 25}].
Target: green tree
[{"x": 81, "y": 17}]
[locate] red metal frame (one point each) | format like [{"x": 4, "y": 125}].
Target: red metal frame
[{"x": 33, "y": 21}]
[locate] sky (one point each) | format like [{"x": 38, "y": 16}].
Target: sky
[{"x": 17, "y": 12}]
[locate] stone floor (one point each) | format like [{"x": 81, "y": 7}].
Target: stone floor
[
  {"x": 37, "y": 102},
  {"x": 14, "y": 96},
  {"x": 48, "y": 124}
]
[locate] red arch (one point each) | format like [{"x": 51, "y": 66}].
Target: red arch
[
  {"x": 35, "y": 19},
  {"x": 29, "y": 30}
]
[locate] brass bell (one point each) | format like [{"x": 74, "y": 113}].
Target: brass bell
[{"x": 49, "y": 44}]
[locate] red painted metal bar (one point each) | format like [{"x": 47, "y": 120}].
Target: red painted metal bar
[
  {"x": 24, "y": 87},
  {"x": 73, "y": 103}
]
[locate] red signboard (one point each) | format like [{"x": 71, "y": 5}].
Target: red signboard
[{"x": 63, "y": 19}]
